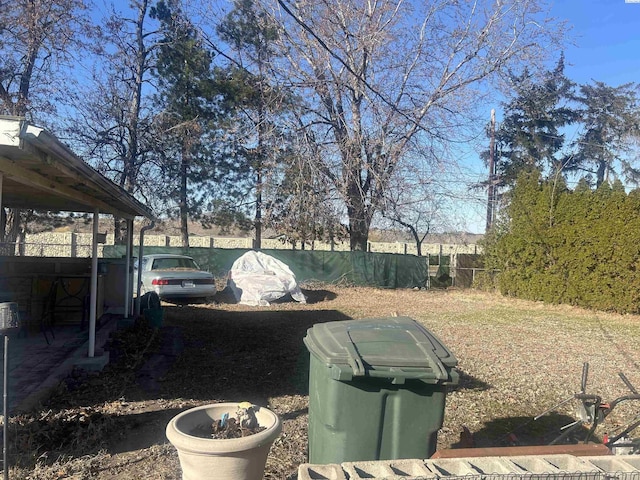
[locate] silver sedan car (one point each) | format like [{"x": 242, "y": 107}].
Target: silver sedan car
[{"x": 174, "y": 278}]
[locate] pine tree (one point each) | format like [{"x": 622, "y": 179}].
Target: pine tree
[
  {"x": 187, "y": 96},
  {"x": 530, "y": 134},
  {"x": 610, "y": 117},
  {"x": 263, "y": 139}
]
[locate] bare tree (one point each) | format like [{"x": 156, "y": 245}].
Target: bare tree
[
  {"x": 114, "y": 128},
  {"x": 417, "y": 201},
  {"x": 302, "y": 206},
  {"x": 37, "y": 37},
  {"x": 379, "y": 75}
]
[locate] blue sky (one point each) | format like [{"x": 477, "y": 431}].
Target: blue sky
[
  {"x": 605, "y": 47},
  {"x": 606, "y": 34}
]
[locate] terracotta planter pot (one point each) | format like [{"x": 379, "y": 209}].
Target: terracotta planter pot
[{"x": 229, "y": 459}]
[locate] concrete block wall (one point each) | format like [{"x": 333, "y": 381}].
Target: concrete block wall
[
  {"x": 527, "y": 467},
  {"x": 49, "y": 245},
  {"x": 70, "y": 244},
  {"x": 275, "y": 244},
  {"x": 427, "y": 248}
]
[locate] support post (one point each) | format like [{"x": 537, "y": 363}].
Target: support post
[
  {"x": 5, "y": 412},
  {"x": 94, "y": 285},
  {"x": 128, "y": 288},
  {"x": 2, "y": 224},
  {"x": 491, "y": 195}
]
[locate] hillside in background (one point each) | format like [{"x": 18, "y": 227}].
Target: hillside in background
[{"x": 171, "y": 228}]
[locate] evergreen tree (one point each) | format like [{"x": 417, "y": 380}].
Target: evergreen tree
[
  {"x": 187, "y": 96},
  {"x": 530, "y": 134},
  {"x": 257, "y": 102},
  {"x": 559, "y": 246},
  {"x": 610, "y": 117},
  {"x": 524, "y": 251}
]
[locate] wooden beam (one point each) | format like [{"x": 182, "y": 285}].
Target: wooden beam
[
  {"x": 29, "y": 178},
  {"x": 46, "y": 159},
  {"x": 577, "y": 450}
]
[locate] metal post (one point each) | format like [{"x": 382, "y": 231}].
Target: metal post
[
  {"x": 5, "y": 426},
  {"x": 93, "y": 295},
  {"x": 140, "y": 254},
  {"x": 491, "y": 195},
  {"x": 428, "y": 273},
  {"x": 128, "y": 290}
]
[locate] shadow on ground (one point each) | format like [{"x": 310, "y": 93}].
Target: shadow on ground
[
  {"x": 153, "y": 424},
  {"x": 524, "y": 431},
  {"x": 200, "y": 354},
  {"x": 317, "y": 296},
  {"x": 206, "y": 354},
  {"x": 313, "y": 296},
  {"x": 469, "y": 382},
  {"x": 248, "y": 355}
]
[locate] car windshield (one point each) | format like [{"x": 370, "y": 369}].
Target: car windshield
[{"x": 176, "y": 262}]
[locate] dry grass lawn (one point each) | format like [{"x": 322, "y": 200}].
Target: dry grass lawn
[{"x": 517, "y": 359}]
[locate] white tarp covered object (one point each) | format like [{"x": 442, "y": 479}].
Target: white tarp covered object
[{"x": 258, "y": 279}]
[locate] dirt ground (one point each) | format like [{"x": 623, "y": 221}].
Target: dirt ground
[{"x": 516, "y": 360}]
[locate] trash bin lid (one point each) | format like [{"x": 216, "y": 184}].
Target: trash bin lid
[{"x": 391, "y": 347}]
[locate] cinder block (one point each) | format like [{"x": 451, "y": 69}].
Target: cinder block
[
  {"x": 489, "y": 465},
  {"x": 447, "y": 467},
  {"x": 410, "y": 468},
  {"x": 372, "y": 469},
  {"x": 528, "y": 467},
  {"x": 332, "y": 471},
  {"x": 569, "y": 463},
  {"x": 533, "y": 463},
  {"x": 615, "y": 463}
]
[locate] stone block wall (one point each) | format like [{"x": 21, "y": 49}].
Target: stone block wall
[{"x": 69, "y": 244}]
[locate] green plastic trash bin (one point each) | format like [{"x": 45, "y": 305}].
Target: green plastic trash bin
[{"x": 377, "y": 390}]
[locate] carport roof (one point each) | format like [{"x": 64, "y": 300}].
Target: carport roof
[{"x": 40, "y": 172}]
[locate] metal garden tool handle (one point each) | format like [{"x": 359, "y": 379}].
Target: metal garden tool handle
[
  {"x": 585, "y": 374},
  {"x": 626, "y": 381}
]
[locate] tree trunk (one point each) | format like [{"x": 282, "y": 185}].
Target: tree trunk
[
  {"x": 419, "y": 247},
  {"x": 358, "y": 228},
  {"x": 184, "y": 212},
  {"x": 415, "y": 235},
  {"x": 259, "y": 167},
  {"x": 12, "y": 225},
  {"x": 602, "y": 166},
  {"x": 119, "y": 231},
  {"x": 258, "y": 220}
]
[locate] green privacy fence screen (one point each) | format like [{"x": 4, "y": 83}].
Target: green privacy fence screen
[{"x": 352, "y": 268}]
